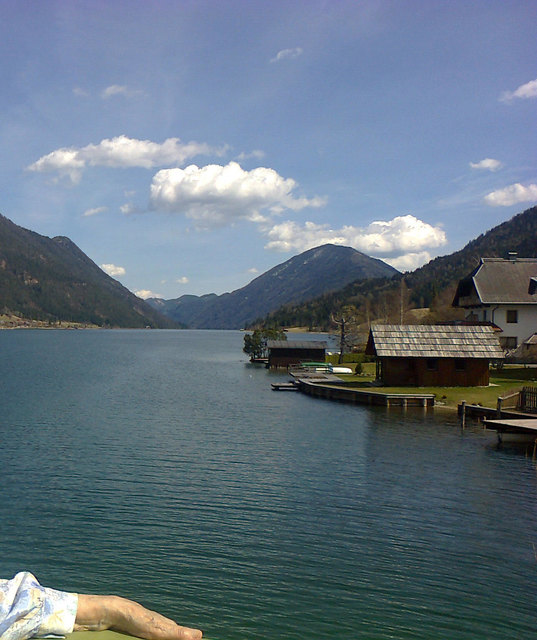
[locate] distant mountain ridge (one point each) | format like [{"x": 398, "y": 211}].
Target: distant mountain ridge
[
  {"x": 51, "y": 279},
  {"x": 433, "y": 283},
  {"x": 300, "y": 278}
]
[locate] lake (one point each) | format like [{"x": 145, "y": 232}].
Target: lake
[{"x": 161, "y": 466}]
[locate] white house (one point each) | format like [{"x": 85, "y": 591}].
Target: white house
[{"x": 502, "y": 292}]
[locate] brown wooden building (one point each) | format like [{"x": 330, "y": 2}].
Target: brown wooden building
[
  {"x": 433, "y": 355},
  {"x": 283, "y": 353}
]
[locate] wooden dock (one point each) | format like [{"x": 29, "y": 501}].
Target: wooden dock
[
  {"x": 284, "y": 386},
  {"x": 313, "y": 375},
  {"x": 514, "y": 425},
  {"x": 520, "y": 430},
  {"x": 364, "y": 396}
]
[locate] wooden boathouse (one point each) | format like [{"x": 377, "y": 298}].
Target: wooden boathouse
[
  {"x": 433, "y": 355},
  {"x": 284, "y": 353}
]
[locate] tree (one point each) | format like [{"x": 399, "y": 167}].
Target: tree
[
  {"x": 345, "y": 319},
  {"x": 255, "y": 344}
]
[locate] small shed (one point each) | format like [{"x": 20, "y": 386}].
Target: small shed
[
  {"x": 526, "y": 353},
  {"x": 283, "y": 353},
  {"x": 433, "y": 355}
]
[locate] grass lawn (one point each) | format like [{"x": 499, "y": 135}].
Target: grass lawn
[{"x": 509, "y": 379}]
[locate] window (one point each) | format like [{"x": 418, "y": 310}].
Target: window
[
  {"x": 432, "y": 364},
  {"x": 460, "y": 364},
  {"x": 511, "y": 316}
]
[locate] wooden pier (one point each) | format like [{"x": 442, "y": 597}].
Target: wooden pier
[
  {"x": 519, "y": 430},
  {"x": 284, "y": 386},
  {"x": 364, "y": 396},
  {"x": 517, "y": 425}
]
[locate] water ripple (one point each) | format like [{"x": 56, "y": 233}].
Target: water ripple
[{"x": 159, "y": 465}]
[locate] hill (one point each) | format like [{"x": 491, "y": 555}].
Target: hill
[
  {"x": 52, "y": 280},
  {"x": 303, "y": 277},
  {"x": 432, "y": 285}
]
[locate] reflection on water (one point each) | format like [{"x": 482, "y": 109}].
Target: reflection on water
[{"x": 160, "y": 465}]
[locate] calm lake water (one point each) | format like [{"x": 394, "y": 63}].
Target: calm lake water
[{"x": 161, "y": 466}]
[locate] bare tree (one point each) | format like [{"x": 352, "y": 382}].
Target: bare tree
[{"x": 345, "y": 319}]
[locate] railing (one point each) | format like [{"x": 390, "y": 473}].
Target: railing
[
  {"x": 510, "y": 401},
  {"x": 528, "y": 400},
  {"x": 523, "y": 400}
]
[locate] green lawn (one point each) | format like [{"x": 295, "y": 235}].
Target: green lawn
[{"x": 508, "y": 379}]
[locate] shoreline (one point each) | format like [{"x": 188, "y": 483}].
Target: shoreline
[{"x": 45, "y": 326}]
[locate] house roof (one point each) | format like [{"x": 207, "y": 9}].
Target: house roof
[
  {"x": 433, "y": 341},
  {"x": 499, "y": 281},
  {"x": 525, "y": 353},
  {"x": 298, "y": 344}
]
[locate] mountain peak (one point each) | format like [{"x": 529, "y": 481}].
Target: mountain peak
[{"x": 302, "y": 277}]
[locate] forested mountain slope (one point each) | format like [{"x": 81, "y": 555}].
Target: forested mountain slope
[{"x": 51, "y": 279}]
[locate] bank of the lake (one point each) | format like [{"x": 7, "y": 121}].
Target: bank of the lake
[
  {"x": 502, "y": 382},
  {"x": 161, "y": 465}
]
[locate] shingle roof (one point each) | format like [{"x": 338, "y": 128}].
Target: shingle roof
[
  {"x": 434, "y": 341},
  {"x": 299, "y": 344},
  {"x": 497, "y": 281}
]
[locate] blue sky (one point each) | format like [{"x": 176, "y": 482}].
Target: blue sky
[{"x": 187, "y": 146}]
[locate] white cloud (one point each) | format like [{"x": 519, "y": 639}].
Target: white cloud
[
  {"x": 253, "y": 270},
  {"x": 182, "y": 280},
  {"x": 66, "y": 162},
  {"x": 129, "y": 208},
  {"x": 409, "y": 261},
  {"x": 94, "y": 211},
  {"x": 146, "y": 293},
  {"x": 257, "y": 154},
  {"x": 513, "y": 194},
  {"x": 525, "y": 91},
  {"x": 119, "y": 90},
  {"x": 402, "y": 240},
  {"x": 120, "y": 152},
  {"x": 217, "y": 195},
  {"x": 287, "y": 53},
  {"x": 113, "y": 270},
  {"x": 488, "y": 163},
  {"x": 81, "y": 93}
]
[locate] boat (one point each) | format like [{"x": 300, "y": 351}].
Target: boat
[{"x": 339, "y": 370}]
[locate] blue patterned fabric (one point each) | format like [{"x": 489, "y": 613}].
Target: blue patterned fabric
[{"x": 28, "y": 610}]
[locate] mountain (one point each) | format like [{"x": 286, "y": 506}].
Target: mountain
[
  {"x": 302, "y": 277},
  {"x": 432, "y": 285},
  {"x": 519, "y": 234},
  {"x": 51, "y": 279}
]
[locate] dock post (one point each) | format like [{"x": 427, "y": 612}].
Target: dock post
[
  {"x": 463, "y": 414},
  {"x": 499, "y": 407}
]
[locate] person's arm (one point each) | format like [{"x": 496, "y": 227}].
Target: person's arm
[{"x": 97, "y": 613}]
